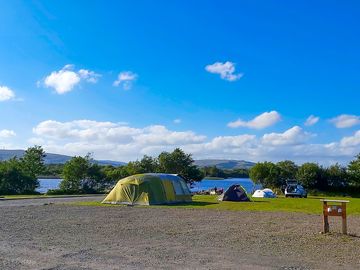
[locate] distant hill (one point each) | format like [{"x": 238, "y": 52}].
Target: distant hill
[
  {"x": 225, "y": 164},
  {"x": 53, "y": 158}
]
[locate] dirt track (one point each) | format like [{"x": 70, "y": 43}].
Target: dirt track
[{"x": 73, "y": 237}]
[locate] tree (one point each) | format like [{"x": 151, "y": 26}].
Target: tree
[
  {"x": 19, "y": 176},
  {"x": 178, "y": 162},
  {"x": 82, "y": 175},
  {"x": 114, "y": 174},
  {"x": 14, "y": 180},
  {"x": 146, "y": 165},
  {"x": 309, "y": 174},
  {"x": 336, "y": 176},
  {"x": 287, "y": 170},
  {"x": 266, "y": 174},
  {"x": 33, "y": 161},
  {"x": 74, "y": 174},
  {"x": 354, "y": 171}
]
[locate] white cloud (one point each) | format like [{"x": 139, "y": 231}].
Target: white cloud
[
  {"x": 89, "y": 76},
  {"x": 261, "y": 121},
  {"x": 110, "y": 140},
  {"x": 6, "y": 93},
  {"x": 177, "y": 121},
  {"x": 293, "y": 136},
  {"x": 345, "y": 121},
  {"x": 226, "y": 70},
  {"x": 311, "y": 120},
  {"x": 6, "y": 133},
  {"x": 351, "y": 141},
  {"x": 126, "y": 79},
  {"x": 67, "y": 78},
  {"x": 120, "y": 141}
]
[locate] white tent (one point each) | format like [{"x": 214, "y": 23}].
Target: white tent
[{"x": 264, "y": 193}]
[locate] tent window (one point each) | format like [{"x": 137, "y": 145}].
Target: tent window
[
  {"x": 177, "y": 188},
  {"x": 184, "y": 187}
]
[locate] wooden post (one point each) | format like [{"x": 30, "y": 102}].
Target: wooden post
[
  {"x": 325, "y": 216},
  {"x": 332, "y": 208},
  {"x": 344, "y": 223}
]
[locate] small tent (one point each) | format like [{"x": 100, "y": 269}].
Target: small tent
[
  {"x": 234, "y": 193},
  {"x": 149, "y": 188},
  {"x": 264, "y": 193}
]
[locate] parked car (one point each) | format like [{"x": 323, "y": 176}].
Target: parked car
[{"x": 293, "y": 189}]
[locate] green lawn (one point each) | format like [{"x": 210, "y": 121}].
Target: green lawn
[{"x": 311, "y": 205}]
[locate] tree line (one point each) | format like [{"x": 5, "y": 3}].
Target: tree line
[
  {"x": 311, "y": 175},
  {"x": 213, "y": 171},
  {"x": 83, "y": 175}
]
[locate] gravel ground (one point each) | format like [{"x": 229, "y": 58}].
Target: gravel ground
[
  {"x": 59, "y": 236},
  {"x": 42, "y": 201}
]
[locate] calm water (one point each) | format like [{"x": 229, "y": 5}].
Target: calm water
[
  {"x": 206, "y": 184},
  {"x": 46, "y": 184}
]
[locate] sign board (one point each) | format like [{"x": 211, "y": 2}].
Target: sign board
[{"x": 335, "y": 208}]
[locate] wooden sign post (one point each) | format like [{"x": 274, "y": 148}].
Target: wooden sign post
[{"x": 334, "y": 208}]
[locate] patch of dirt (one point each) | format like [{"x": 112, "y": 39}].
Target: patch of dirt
[{"x": 74, "y": 237}]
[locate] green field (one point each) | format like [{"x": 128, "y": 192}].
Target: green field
[{"x": 311, "y": 205}]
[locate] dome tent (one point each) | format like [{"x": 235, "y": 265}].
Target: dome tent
[
  {"x": 264, "y": 193},
  {"x": 235, "y": 193},
  {"x": 148, "y": 189}
]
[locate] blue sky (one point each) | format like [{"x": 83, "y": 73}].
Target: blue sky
[{"x": 124, "y": 79}]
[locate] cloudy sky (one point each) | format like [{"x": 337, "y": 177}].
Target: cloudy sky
[{"x": 251, "y": 80}]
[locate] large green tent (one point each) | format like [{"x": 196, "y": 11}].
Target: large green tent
[{"x": 149, "y": 188}]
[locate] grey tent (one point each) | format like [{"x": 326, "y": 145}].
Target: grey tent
[{"x": 235, "y": 193}]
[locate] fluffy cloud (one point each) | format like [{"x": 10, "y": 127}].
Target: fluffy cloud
[
  {"x": 5, "y": 133},
  {"x": 6, "y": 93},
  {"x": 110, "y": 140},
  {"x": 261, "y": 121},
  {"x": 119, "y": 141},
  {"x": 351, "y": 141},
  {"x": 293, "y": 136},
  {"x": 126, "y": 79},
  {"x": 311, "y": 120},
  {"x": 225, "y": 70},
  {"x": 177, "y": 121},
  {"x": 345, "y": 121},
  {"x": 88, "y": 75},
  {"x": 67, "y": 78}
]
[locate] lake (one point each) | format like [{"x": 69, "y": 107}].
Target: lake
[
  {"x": 205, "y": 184},
  {"x": 46, "y": 184}
]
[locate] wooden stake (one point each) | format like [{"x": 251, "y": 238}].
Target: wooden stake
[
  {"x": 326, "y": 219},
  {"x": 344, "y": 223}
]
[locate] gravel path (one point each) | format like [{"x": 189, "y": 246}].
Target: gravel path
[
  {"x": 42, "y": 201},
  {"x": 73, "y": 237}
]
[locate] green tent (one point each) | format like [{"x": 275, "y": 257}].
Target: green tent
[{"x": 148, "y": 189}]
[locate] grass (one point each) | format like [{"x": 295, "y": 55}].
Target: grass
[{"x": 311, "y": 205}]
